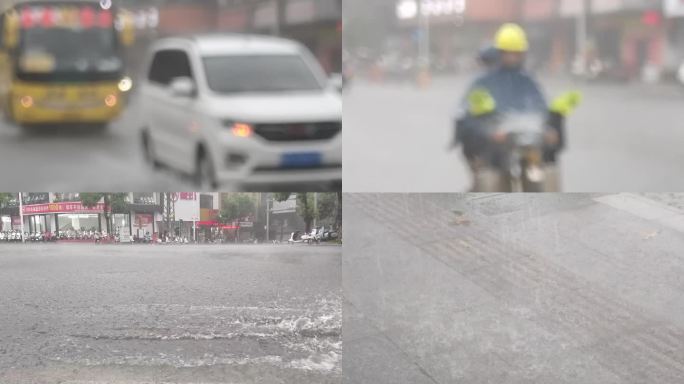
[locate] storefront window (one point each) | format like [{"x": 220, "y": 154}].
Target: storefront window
[
  {"x": 37, "y": 223},
  {"x": 144, "y": 198},
  {"x": 78, "y": 222},
  {"x": 5, "y": 223},
  {"x": 121, "y": 223}
]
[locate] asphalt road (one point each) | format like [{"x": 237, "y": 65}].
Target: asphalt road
[
  {"x": 582, "y": 289},
  {"x": 81, "y": 158},
  {"x": 622, "y": 138},
  {"x": 172, "y": 314}
]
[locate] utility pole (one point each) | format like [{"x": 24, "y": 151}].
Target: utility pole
[
  {"x": 581, "y": 32},
  {"x": 268, "y": 220},
  {"x": 279, "y": 17},
  {"x": 169, "y": 209},
  {"x": 424, "y": 37},
  {"x": 315, "y": 208},
  {"x": 21, "y": 216}
]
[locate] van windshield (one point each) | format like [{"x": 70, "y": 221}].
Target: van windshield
[{"x": 259, "y": 74}]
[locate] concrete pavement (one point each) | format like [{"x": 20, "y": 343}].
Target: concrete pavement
[{"x": 513, "y": 289}]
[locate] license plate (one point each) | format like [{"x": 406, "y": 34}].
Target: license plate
[
  {"x": 301, "y": 160},
  {"x": 71, "y": 116}
]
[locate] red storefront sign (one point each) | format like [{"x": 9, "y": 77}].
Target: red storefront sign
[
  {"x": 491, "y": 10},
  {"x": 186, "y": 18},
  {"x": 142, "y": 220},
  {"x": 652, "y": 18},
  {"x": 215, "y": 224},
  {"x": 187, "y": 195},
  {"x": 233, "y": 20},
  {"x": 67, "y": 207},
  {"x": 208, "y": 214},
  {"x": 538, "y": 9}
]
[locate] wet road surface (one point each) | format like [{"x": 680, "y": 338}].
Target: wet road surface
[
  {"x": 514, "y": 289},
  {"x": 172, "y": 314},
  {"x": 622, "y": 138},
  {"x": 81, "y": 158}
]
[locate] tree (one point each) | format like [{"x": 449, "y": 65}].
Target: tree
[
  {"x": 327, "y": 206},
  {"x": 235, "y": 207},
  {"x": 113, "y": 202},
  {"x": 338, "y": 216},
  {"x": 6, "y": 198},
  {"x": 305, "y": 206}
]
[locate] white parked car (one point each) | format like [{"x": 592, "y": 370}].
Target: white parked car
[{"x": 241, "y": 110}]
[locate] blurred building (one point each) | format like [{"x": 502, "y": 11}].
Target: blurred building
[
  {"x": 284, "y": 219},
  {"x": 187, "y": 212},
  {"x": 315, "y": 23},
  {"x": 63, "y": 212},
  {"x": 674, "y": 42},
  {"x": 643, "y": 39}
]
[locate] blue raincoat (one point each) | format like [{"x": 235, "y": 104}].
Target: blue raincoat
[{"x": 513, "y": 90}]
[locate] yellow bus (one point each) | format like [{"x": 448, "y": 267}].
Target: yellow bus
[{"x": 62, "y": 62}]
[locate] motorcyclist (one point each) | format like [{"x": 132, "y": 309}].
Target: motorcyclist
[
  {"x": 508, "y": 88},
  {"x": 488, "y": 58}
]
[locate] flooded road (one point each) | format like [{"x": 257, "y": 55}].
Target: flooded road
[
  {"x": 621, "y": 138},
  {"x": 176, "y": 314},
  {"x": 82, "y": 158}
]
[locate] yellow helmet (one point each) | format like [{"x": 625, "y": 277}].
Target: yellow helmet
[{"x": 511, "y": 38}]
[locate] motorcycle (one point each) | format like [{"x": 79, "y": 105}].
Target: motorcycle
[
  {"x": 313, "y": 237},
  {"x": 296, "y": 237},
  {"x": 598, "y": 69},
  {"x": 521, "y": 155}
]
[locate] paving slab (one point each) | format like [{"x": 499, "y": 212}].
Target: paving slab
[{"x": 517, "y": 288}]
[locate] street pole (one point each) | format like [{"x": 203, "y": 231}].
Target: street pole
[
  {"x": 424, "y": 43},
  {"x": 581, "y": 33},
  {"x": 268, "y": 221},
  {"x": 315, "y": 208},
  {"x": 423, "y": 70},
  {"x": 278, "y": 17},
  {"x": 21, "y": 216}
]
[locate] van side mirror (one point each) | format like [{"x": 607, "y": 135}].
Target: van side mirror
[{"x": 183, "y": 87}]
